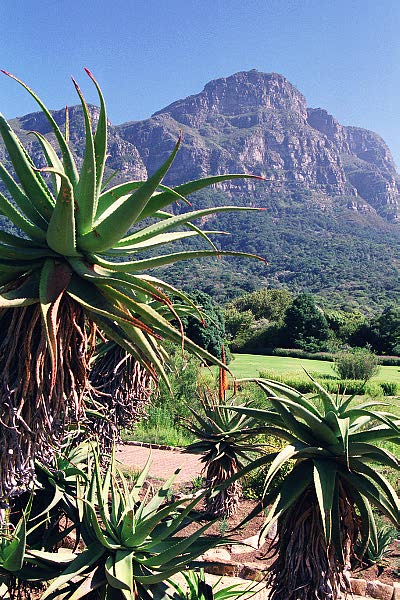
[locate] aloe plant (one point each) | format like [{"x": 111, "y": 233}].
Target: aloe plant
[
  {"x": 224, "y": 438},
  {"x": 322, "y": 505},
  {"x": 134, "y": 543},
  {"x": 73, "y": 266},
  {"x": 198, "y": 589},
  {"x": 12, "y": 550}
]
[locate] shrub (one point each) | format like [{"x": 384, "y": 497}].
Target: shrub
[
  {"x": 389, "y": 361},
  {"x": 305, "y": 385},
  {"x": 390, "y": 388},
  {"x": 357, "y": 363},
  {"x": 297, "y": 353}
]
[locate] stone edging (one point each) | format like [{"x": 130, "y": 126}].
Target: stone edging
[
  {"x": 220, "y": 562},
  {"x": 153, "y": 446}
]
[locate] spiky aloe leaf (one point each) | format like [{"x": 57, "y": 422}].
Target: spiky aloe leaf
[
  {"x": 20, "y": 220},
  {"x": 167, "y": 259},
  {"x": 86, "y": 189},
  {"x": 52, "y": 160},
  {"x": 25, "y": 294},
  {"x": 325, "y": 484},
  {"x": 70, "y": 167},
  {"x": 21, "y": 200},
  {"x": 113, "y": 224},
  {"x": 100, "y": 142},
  {"x": 61, "y": 230},
  {"x": 163, "y": 226},
  {"x": 164, "y": 199},
  {"x": 31, "y": 181}
]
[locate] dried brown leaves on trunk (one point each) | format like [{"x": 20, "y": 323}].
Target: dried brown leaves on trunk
[
  {"x": 305, "y": 567},
  {"x": 33, "y": 412}
]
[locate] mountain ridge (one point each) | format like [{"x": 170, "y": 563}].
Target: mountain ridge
[{"x": 329, "y": 187}]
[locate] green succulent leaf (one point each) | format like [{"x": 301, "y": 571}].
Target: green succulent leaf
[
  {"x": 52, "y": 160},
  {"x": 19, "y": 219},
  {"x": 13, "y": 554},
  {"x": 325, "y": 485},
  {"x": 164, "y": 226},
  {"x": 21, "y": 200},
  {"x": 115, "y": 222},
  {"x": 160, "y": 201},
  {"x": 86, "y": 189},
  {"x": 168, "y": 259},
  {"x": 80, "y": 564},
  {"x": 100, "y": 142},
  {"x": 31, "y": 181},
  {"x": 70, "y": 167},
  {"x": 25, "y": 294}
]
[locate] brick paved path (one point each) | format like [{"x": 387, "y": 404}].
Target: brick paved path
[{"x": 164, "y": 462}]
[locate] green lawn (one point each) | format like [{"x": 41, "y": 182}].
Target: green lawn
[{"x": 250, "y": 365}]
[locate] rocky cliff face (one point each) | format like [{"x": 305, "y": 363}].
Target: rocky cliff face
[
  {"x": 332, "y": 192},
  {"x": 249, "y": 122},
  {"x": 259, "y": 123},
  {"x": 367, "y": 163}
]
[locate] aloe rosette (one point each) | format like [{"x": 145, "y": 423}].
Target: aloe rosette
[
  {"x": 323, "y": 504},
  {"x": 71, "y": 266},
  {"x": 225, "y": 439},
  {"x": 133, "y": 542}
]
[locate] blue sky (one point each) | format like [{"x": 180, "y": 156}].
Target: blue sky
[{"x": 343, "y": 55}]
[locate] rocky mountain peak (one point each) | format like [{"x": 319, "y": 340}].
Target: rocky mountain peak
[{"x": 240, "y": 94}]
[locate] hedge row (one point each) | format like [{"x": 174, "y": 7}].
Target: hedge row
[
  {"x": 348, "y": 386},
  {"x": 388, "y": 361}
]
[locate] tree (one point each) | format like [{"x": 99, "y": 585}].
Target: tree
[
  {"x": 269, "y": 304},
  {"x": 208, "y": 328},
  {"x": 322, "y": 505},
  {"x": 344, "y": 324},
  {"x": 67, "y": 274},
  {"x": 237, "y": 322},
  {"x": 386, "y": 331},
  {"x": 305, "y": 325}
]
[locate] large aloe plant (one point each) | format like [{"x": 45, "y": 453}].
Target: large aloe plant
[
  {"x": 322, "y": 505},
  {"x": 72, "y": 266}
]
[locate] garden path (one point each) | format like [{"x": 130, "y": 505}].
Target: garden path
[{"x": 164, "y": 462}]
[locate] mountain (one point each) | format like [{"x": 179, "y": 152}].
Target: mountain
[{"x": 332, "y": 193}]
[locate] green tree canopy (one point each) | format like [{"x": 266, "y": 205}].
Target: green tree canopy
[
  {"x": 305, "y": 324},
  {"x": 269, "y": 304},
  {"x": 386, "y": 331},
  {"x": 209, "y": 334}
]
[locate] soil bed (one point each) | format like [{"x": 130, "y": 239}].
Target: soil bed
[{"x": 386, "y": 573}]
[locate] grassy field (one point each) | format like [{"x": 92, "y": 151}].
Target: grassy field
[{"x": 250, "y": 365}]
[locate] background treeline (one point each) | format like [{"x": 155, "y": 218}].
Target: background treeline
[{"x": 268, "y": 320}]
